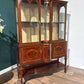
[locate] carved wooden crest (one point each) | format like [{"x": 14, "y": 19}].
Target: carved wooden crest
[
  {"x": 37, "y": 1},
  {"x": 32, "y": 53},
  {"x": 29, "y": 1}
]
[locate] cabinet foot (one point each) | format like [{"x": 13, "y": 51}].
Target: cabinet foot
[
  {"x": 21, "y": 78},
  {"x": 65, "y": 70}
]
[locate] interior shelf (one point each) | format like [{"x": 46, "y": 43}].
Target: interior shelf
[
  {"x": 58, "y": 22},
  {"x": 43, "y": 67},
  {"x": 26, "y": 1},
  {"x": 42, "y": 22}
]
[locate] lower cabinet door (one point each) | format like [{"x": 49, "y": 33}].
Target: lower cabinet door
[
  {"x": 31, "y": 55},
  {"x": 58, "y": 50}
]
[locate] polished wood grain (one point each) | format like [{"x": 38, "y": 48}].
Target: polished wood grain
[
  {"x": 30, "y": 1},
  {"x": 19, "y": 20},
  {"x": 46, "y": 53},
  {"x": 43, "y": 68},
  {"x": 58, "y": 50},
  {"x": 35, "y": 57},
  {"x": 31, "y": 55}
]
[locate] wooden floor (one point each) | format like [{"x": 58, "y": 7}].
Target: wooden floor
[{"x": 73, "y": 76}]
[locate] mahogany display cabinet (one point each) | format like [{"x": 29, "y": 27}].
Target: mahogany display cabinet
[{"x": 41, "y": 36}]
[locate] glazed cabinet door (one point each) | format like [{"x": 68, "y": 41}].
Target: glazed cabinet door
[
  {"x": 55, "y": 21},
  {"x": 31, "y": 55},
  {"x": 45, "y": 19},
  {"x": 58, "y": 22},
  {"x": 62, "y": 28},
  {"x": 28, "y": 21}
]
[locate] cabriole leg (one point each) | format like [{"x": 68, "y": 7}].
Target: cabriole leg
[
  {"x": 65, "y": 64},
  {"x": 21, "y": 78},
  {"x": 58, "y": 62}
]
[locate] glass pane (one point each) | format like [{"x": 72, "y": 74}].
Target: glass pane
[
  {"x": 35, "y": 32},
  {"x": 55, "y": 22},
  {"x": 55, "y": 32},
  {"x": 25, "y": 32},
  {"x": 17, "y": 23},
  {"x": 62, "y": 14},
  {"x": 30, "y": 21},
  {"x": 62, "y": 22},
  {"x": 17, "y": 33},
  {"x": 67, "y": 27},
  {"x": 61, "y": 31},
  {"x": 25, "y": 16},
  {"x": 44, "y": 21}
]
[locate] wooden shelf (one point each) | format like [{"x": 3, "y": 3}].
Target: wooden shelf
[
  {"x": 45, "y": 67},
  {"x": 26, "y": 1},
  {"x": 42, "y": 22},
  {"x": 28, "y": 22}
]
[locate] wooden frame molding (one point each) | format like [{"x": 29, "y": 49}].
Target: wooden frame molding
[{"x": 43, "y": 55}]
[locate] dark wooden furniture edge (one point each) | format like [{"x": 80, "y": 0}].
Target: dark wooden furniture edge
[
  {"x": 28, "y": 44},
  {"x": 40, "y": 68}
]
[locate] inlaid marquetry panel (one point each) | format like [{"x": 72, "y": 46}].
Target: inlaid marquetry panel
[
  {"x": 29, "y": 1},
  {"x": 58, "y": 50},
  {"x": 31, "y": 55},
  {"x": 46, "y": 53}
]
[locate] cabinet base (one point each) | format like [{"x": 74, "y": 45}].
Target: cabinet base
[{"x": 45, "y": 67}]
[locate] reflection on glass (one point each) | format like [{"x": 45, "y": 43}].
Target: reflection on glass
[
  {"x": 55, "y": 32},
  {"x": 35, "y": 32},
  {"x": 25, "y": 11},
  {"x": 44, "y": 21},
  {"x": 17, "y": 33},
  {"x": 62, "y": 23},
  {"x": 62, "y": 14},
  {"x": 30, "y": 21},
  {"x": 17, "y": 25},
  {"x": 55, "y": 22},
  {"x": 61, "y": 31},
  {"x": 25, "y": 32},
  {"x": 55, "y": 13}
]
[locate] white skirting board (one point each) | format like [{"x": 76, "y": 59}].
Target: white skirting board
[{"x": 8, "y": 69}]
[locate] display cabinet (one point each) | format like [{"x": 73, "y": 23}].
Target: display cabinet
[{"x": 41, "y": 35}]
